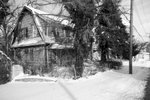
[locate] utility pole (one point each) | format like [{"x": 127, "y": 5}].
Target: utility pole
[
  {"x": 149, "y": 47},
  {"x": 131, "y": 33}
]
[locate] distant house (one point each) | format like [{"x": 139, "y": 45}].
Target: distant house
[
  {"x": 42, "y": 40},
  {"x": 144, "y": 54}
]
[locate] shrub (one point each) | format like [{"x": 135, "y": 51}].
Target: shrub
[
  {"x": 63, "y": 72},
  {"x": 112, "y": 64},
  {"x": 90, "y": 68}
]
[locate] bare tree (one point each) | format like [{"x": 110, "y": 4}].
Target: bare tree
[{"x": 7, "y": 27}]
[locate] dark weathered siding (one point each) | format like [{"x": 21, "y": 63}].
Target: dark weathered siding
[
  {"x": 28, "y": 23},
  {"x": 33, "y": 57}
]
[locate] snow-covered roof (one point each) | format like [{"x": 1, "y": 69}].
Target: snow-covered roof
[
  {"x": 32, "y": 42},
  {"x": 58, "y": 46},
  {"x": 63, "y": 20}
]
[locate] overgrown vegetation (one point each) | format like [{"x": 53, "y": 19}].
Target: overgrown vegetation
[
  {"x": 137, "y": 47},
  {"x": 5, "y": 68},
  {"x": 5, "y": 62}
]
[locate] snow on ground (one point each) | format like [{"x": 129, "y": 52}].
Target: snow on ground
[
  {"x": 140, "y": 70},
  {"x": 109, "y": 85}
]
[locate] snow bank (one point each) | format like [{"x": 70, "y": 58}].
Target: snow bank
[
  {"x": 108, "y": 85},
  {"x": 27, "y": 78}
]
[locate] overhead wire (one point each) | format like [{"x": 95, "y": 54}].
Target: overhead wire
[
  {"x": 144, "y": 13},
  {"x": 138, "y": 33},
  {"x": 133, "y": 26},
  {"x": 140, "y": 18}
]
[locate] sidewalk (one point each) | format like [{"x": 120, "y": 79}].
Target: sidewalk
[{"x": 147, "y": 90}]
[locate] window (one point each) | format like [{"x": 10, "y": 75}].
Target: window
[
  {"x": 34, "y": 31},
  {"x": 23, "y": 34},
  {"x": 67, "y": 33},
  {"x": 26, "y": 51},
  {"x": 31, "y": 54},
  {"x": 60, "y": 32}
]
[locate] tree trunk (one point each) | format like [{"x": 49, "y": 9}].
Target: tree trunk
[
  {"x": 79, "y": 56},
  {"x": 6, "y": 38},
  {"x": 103, "y": 54},
  {"x": 79, "y": 62}
]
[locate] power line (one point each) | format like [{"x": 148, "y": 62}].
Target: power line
[
  {"x": 144, "y": 13},
  {"x": 138, "y": 33},
  {"x": 133, "y": 26},
  {"x": 140, "y": 19}
]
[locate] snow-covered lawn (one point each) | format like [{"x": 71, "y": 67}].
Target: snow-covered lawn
[{"x": 109, "y": 85}]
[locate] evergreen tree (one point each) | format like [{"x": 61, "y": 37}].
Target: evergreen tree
[
  {"x": 105, "y": 17},
  {"x": 137, "y": 47},
  {"x": 82, "y": 15},
  {"x": 111, "y": 32}
]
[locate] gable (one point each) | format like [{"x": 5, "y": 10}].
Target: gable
[
  {"x": 25, "y": 30},
  {"x": 39, "y": 26},
  {"x": 28, "y": 23}
]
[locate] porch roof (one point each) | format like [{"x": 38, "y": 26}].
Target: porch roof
[{"x": 32, "y": 42}]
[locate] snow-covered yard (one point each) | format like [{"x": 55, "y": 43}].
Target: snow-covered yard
[{"x": 109, "y": 85}]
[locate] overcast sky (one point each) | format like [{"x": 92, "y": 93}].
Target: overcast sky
[{"x": 141, "y": 16}]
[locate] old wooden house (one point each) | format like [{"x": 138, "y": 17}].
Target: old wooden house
[{"x": 41, "y": 40}]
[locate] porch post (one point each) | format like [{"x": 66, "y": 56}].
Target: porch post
[
  {"x": 46, "y": 58},
  {"x": 14, "y": 53}
]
